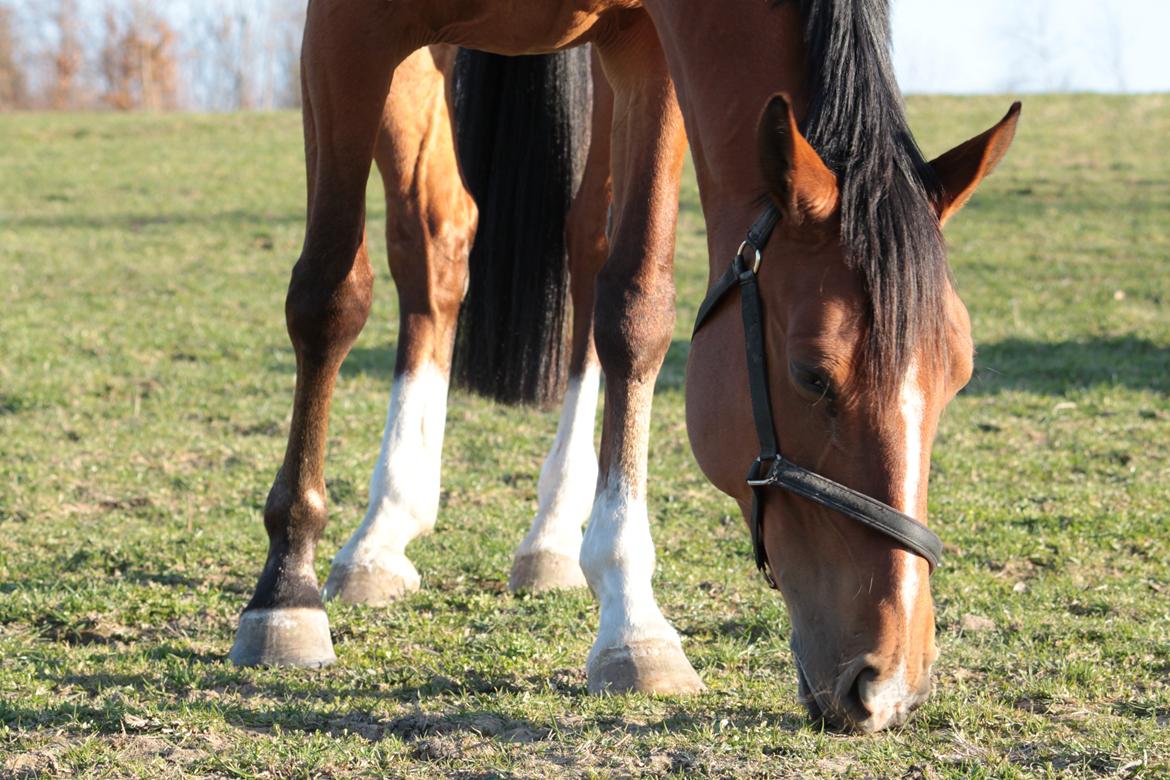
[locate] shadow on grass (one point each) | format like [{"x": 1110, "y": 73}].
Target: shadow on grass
[
  {"x": 297, "y": 705},
  {"x": 1054, "y": 368},
  {"x": 378, "y": 363},
  {"x": 1044, "y": 367},
  {"x": 372, "y": 362},
  {"x": 136, "y": 222}
]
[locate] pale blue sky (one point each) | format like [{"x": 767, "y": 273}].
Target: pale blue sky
[
  {"x": 948, "y": 46},
  {"x": 1032, "y": 45}
]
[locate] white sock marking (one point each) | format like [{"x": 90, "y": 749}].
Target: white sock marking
[
  {"x": 404, "y": 488},
  {"x": 617, "y": 554},
  {"x": 568, "y": 478}
]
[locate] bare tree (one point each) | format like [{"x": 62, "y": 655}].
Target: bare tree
[
  {"x": 137, "y": 61},
  {"x": 220, "y": 55},
  {"x": 66, "y": 56},
  {"x": 233, "y": 34},
  {"x": 1041, "y": 56},
  {"x": 291, "y": 26},
  {"x": 13, "y": 80},
  {"x": 1112, "y": 40}
]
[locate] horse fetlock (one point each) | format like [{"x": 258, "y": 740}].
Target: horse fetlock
[
  {"x": 288, "y": 507},
  {"x": 636, "y": 648}
]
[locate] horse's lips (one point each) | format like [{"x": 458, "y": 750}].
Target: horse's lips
[{"x": 804, "y": 692}]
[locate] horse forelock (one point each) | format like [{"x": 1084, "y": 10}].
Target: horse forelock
[{"x": 857, "y": 123}]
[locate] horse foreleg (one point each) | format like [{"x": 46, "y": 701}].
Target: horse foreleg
[
  {"x": 346, "y": 74},
  {"x": 636, "y": 648},
  {"x": 548, "y": 556},
  {"x": 430, "y": 223}
]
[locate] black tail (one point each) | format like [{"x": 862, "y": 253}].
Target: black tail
[{"x": 521, "y": 126}]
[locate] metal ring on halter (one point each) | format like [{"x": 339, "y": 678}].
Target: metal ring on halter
[{"x": 759, "y": 258}]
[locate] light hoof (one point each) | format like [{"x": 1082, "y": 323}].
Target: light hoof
[
  {"x": 654, "y": 666},
  {"x": 374, "y": 584},
  {"x": 283, "y": 637},
  {"x": 542, "y": 570}
]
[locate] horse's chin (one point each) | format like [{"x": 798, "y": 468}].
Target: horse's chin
[
  {"x": 821, "y": 710},
  {"x": 804, "y": 693}
]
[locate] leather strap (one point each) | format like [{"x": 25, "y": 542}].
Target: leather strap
[
  {"x": 757, "y": 238},
  {"x": 783, "y": 473},
  {"x": 870, "y": 512},
  {"x": 761, "y": 229}
]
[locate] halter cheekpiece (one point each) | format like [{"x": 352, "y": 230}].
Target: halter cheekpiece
[{"x": 771, "y": 469}]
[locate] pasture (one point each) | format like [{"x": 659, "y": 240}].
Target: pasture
[{"x": 145, "y": 387}]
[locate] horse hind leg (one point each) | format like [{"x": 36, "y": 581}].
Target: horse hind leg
[
  {"x": 345, "y": 85},
  {"x": 547, "y": 559},
  {"x": 430, "y": 225}
]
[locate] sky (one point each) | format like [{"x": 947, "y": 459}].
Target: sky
[
  {"x": 1012, "y": 46},
  {"x": 962, "y": 46},
  {"x": 980, "y": 46}
]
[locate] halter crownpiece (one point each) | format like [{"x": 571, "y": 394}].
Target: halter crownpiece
[{"x": 771, "y": 469}]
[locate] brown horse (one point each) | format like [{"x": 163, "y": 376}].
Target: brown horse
[{"x": 866, "y": 339}]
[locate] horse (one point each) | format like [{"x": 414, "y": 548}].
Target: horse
[{"x": 853, "y": 328}]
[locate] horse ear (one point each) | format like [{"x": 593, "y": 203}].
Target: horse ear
[
  {"x": 961, "y": 169},
  {"x": 800, "y": 183}
]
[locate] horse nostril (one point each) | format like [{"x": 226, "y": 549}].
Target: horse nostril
[{"x": 857, "y": 700}]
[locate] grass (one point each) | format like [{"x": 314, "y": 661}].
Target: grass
[{"x": 145, "y": 386}]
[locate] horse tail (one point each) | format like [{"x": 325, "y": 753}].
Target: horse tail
[{"x": 521, "y": 126}]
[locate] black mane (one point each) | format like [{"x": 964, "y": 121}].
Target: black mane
[{"x": 857, "y": 123}]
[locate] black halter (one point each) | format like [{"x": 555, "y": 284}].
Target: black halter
[{"x": 771, "y": 469}]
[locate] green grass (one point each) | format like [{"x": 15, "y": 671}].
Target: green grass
[{"x": 145, "y": 386}]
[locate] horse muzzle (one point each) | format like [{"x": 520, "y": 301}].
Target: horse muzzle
[{"x": 863, "y": 698}]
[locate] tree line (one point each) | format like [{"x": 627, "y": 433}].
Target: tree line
[{"x": 125, "y": 55}]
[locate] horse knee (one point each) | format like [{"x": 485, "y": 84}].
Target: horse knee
[
  {"x": 327, "y": 306},
  {"x": 633, "y": 323}
]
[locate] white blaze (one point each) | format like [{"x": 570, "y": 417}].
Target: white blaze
[
  {"x": 889, "y": 697},
  {"x": 912, "y": 404}
]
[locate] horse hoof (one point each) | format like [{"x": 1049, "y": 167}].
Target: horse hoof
[
  {"x": 541, "y": 571},
  {"x": 283, "y": 637},
  {"x": 372, "y": 584},
  {"x": 653, "y": 666}
]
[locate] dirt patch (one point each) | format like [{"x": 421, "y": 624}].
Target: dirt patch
[
  {"x": 35, "y": 763},
  {"x": 976, "y": 624},
  {"x": 418, "y": 726},
  {"x": 89, "y": 630}
]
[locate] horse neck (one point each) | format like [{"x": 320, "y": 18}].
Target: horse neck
[{"x": 725, "y": 68}]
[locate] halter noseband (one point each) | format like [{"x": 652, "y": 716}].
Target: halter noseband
[{"x": 771, "y": 469}]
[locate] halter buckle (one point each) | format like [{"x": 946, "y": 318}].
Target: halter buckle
[{"x": 758, "y": 475}]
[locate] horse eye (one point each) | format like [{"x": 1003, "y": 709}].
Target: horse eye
[{"x": 814, "y": 382}]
